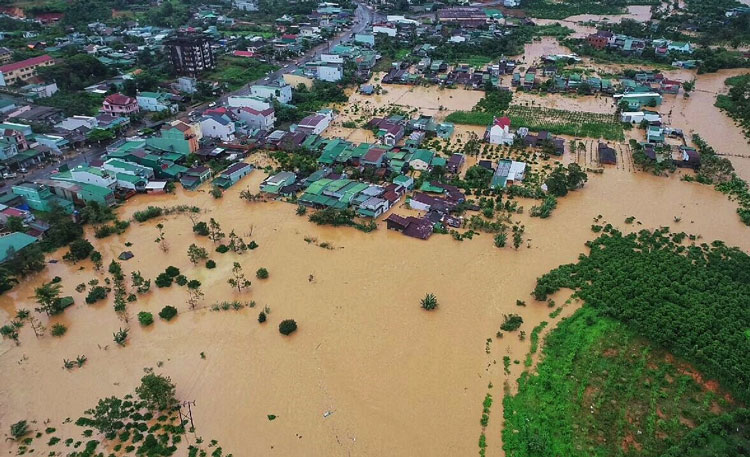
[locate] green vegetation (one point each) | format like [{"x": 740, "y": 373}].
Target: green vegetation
[
  {"x": 563, "y": 179},
  {"x": 511, "y": 322},
  {"x": 168, "y": 312},
  {"x": 340, "y": 217},
  {"x": 737, "y": 102},
  {"x": 648, "y": 279},
  {"x": 235, "y": 72},
  {"x": 429, "y": 302},
  {"x": 58, "y": 329},
  {"x": 495, "y": 100},
  {"x": 96, "y": 294},
  {"x": 149, "y": 213},
  {"x": 601, "y": 390},
  {"x": 546, "y": 9},
  {"x": 719, "y": 171},
  {"x": 555, "y": 121},
  {"x": 262, "y": 273},
  {"x": 287, "y": 327},
  {"x": 145, "y": 318}
]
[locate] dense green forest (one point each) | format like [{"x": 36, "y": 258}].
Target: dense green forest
[
  {"x": 691, "y": 300},
  {"x": 737, "y": 102}
]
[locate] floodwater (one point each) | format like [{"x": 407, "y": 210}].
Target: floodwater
[
  {"x": 398, "y": 380},
  {"x": 532, "y": 52},
  {"x": 640, "y": 13}
]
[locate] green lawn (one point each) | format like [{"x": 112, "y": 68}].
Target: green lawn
[{"x": 238, "y": 71}]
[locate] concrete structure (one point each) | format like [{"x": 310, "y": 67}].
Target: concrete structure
[
  {"x": 278, "y": 90},
  {"x": 499, "y": 132},
  {"x": 218, "y": 126},
  {"x": 242, "y": 101},
  {"x": 118, "y": 104},
  {"x": 23, "y": 70},
  {"x": 156, "y": 102},
  {"x": 232, "y": 174},
  {"x": 257, "y": 119},
  {"x": 190, "y": 53}
]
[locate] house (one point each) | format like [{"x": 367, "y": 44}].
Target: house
[
  {"x": 607, "y": 155},
  {"x": 278, "y": 90},
  {"x": 387, "y": 29},
  {"x": 89, "y": 175},
  {"x": 247, "y": 101},
  {"x": 155, "y": 102},
  {"x": 179, "y": 137},
  {"x": 257, "y": 119},
  {"x": 118, "y": 104},
  {"x": 507, "y": 173},
  {"x": 374, "y": 157},
  {"x": 76, "y": 122},
  {"x": 187, "y": 84},
  {"x": 194, "y": 177},
  {"x": 454, "y": 164},
  {"x": 274, "y": 184},
  {"x": 11, "y": 243},
  {"x": 635, "y": 100},
  {"x": 316, "y": 123},
  {"x": 36, "y": 91},
  {"x": 404, "y": 181},
  {"x": 218, "y": 126},
  {"x": 597, "y": 41},
  {"x": 678, "y": 46},
  {"x": 120, "y": 167},
  {"x": 421, "y": 159},
  {"x": 414, "y": 227},
  {"x": 499, "y": 132},
  {"x": 232, "y": 174},
  {"x": 39, "y": 197},
  {"x": 23, "y": 70},
  {"x": 245, "y": 5},
  {"x": 690, "y": 158},
  {"x": 655, "y": 134}
]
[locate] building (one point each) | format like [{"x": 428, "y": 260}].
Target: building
[
  {"x": 465, "y": 16},
  {"x": 12, "y": 243},
  {"x": 499, "y": 132},
  {"x": 190, "y": 53},
  {"x": 507, "y": 173},
  {"x": 243, "y": 101},
  {"x": 118, "y": 104},
  {"x": 278, "y": 90},
  {"x": 194, "y": 177},
  {"x": 156, "y": 102},
  {"x": 246, "y": 5},
  {"x": 232, "y": 174},
  {"x": 39, "y": 197},
  {"x": 178, "y": 137},
  {"x": 316, "y": 123},
  {"x": 218, "y": 126},
  {"x": 257, "y": 119},
  {"x": 597, "y": 41},
  {"x": 24, "y": 70},
  {"x": 6, "y": 55},
  {"x": 274, "y": 184},
  {"x": 607, "y": 155}
]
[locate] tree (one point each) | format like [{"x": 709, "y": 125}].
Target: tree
[
  {"x": 168, "y": 312},
  {"x": 262, "y": 317},
  {"x": 236, "y": 244},
  {"x": 99, "y": 135},
  {"x": 14, "y": 224},
  {"x": 96, "y": 258},
  {"x": 517, "y": 235},
  {"x": 262, "y": 273},
  {"x": 215, "y": 234},
  {"x": 157, "y": 392},
  {"x": 287, "y": 327},
  {"x": 145, "y": 318},
  {"x": 557, "y": 183},
  {"x": 48, "y": 297},
  {"x": 19, "y": 429},
  {"x": 196, "y": 254},
  {"x": 79, "y": 249},
  {"x": 576, "y": 176},
  {"x": 501, "y": 239},
  {"x": 238, "y": 279},
  {"x": 194, "y": 292},
  {"x": 201, "y": 228},
  {"x": 429, "y": 302},
  {"x": 107, "y": 417}
]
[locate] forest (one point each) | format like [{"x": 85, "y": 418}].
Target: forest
[{"x": 691, "y": 300}]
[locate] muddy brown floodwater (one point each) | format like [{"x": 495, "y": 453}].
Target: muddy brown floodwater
[{"x": 398, "y": 380}]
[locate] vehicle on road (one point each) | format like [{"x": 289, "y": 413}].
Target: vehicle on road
[
  {"x": 212, "y": 104},
  {"x": 23, "y": 170},
  {"x": 9, "y": 175}
]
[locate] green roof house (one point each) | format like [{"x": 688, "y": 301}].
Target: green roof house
[{"x": 12, "y": 243}]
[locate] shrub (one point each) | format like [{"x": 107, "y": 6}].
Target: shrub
[
  {"x": 201, "y": 228},
  {"x": 79, "y": 249},
  {"x": 58, "y": 330},
  {"x": 511, "y": 322},
  {"x": 210, "y": 264},
  {"x": 145, "y": 318},
  {"x": 429, "y": 302},
  {"x": 222, "y": 248},
  {"x": 216, "y": 192},
  {"x": 181, "y": 280},
  {"x": 287, "y": 327},
  {"x": 19, "y": 429},
  {"x": 173, "y": 272},
  {"x": 168, "y": 312},
  {"x": 262, "y": 273},
  {"x": 163, "y": 280},
  {"x": 262, "y": 317},
  {"x": 95, "y": 294},
  {"x": 149, "y": 213}
]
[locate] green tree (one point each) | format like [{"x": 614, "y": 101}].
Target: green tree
[
  {"x": 79, "y": 249},
  {"x": 196, "y": 253},
  {"x": 157, "y": 392},
  {"x": 238, "y": 279},
  {"x": 14, "y": 224},
  {"x": 429, "y": 302},
  {"x": 48, "y": 297},
  {"x": 287, "y": 327}
]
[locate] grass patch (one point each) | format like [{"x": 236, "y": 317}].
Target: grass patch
[
  {"x": 235, "y": 72},
  {"x": 557, "y": 122},
  {"x": 601, "y": 390}
]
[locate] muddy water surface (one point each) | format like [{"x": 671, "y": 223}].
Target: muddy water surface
[{"x": 398, "y": 380}]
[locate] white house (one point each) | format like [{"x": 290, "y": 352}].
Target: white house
[
  {"x": 217, "y": 126},
  {"x": 636, "y": 117},
  {"x": 257, "y": 119},
  {"x": 330, "y": 73},
  {"x": 246, "y": 5},
  {"x": 316, "y": 123},
  {"x": 248, "y": 101},
  {"x": 95, "y": 176},
  {"x": 511, "y": 3},
  {"x": 279, "y": 90},
  {"x": 75, "y": 122},
  {"x": 187, "y": 84},
  {"x": 155, "y": 102},
  {"x": 387, "y": 29},
  {"x": 517, "y": 171},
  {"x": 677, "y": 46},
  {"x": 332, "y": 58},
  {"x": 499, "y": 132},
  {"x": 131, "y": 168}
]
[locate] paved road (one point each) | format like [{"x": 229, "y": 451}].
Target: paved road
[{"x": 364, "y": 17}]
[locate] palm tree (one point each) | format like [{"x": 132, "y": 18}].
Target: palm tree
[
  {"x": 47, "y": 295},
  {"x": 429, "y": 302}
]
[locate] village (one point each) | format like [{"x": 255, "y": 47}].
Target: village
[{"x": 341, "y": 146}]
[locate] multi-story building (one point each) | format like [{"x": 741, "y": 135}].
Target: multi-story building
[
  {"x": 118, "y": 104},
  {"x": 24, "y": 70},
  {"x": 190, "y": 53}
]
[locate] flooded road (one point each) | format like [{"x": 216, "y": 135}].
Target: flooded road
[{"x": 364, "y": 349}]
